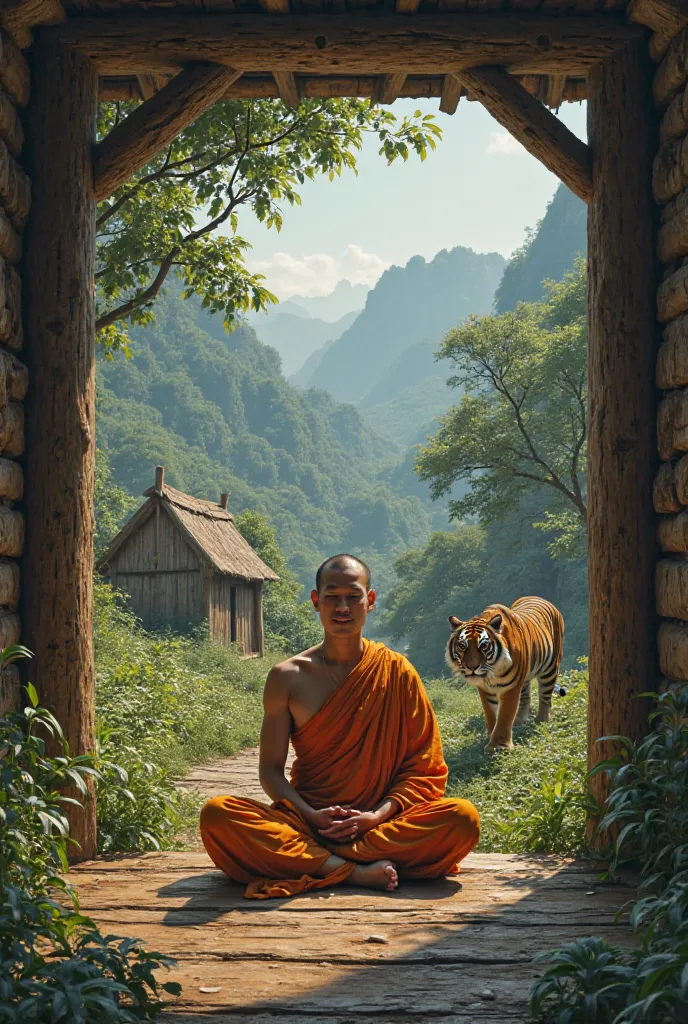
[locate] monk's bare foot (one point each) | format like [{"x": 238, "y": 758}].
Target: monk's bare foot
[{"x": 381, "y": 874}]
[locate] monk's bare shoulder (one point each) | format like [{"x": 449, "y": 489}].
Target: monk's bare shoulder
[{"x": 283, "y": 677}]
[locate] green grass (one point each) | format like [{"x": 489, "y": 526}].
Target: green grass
[{"x": 529, "y": 798}]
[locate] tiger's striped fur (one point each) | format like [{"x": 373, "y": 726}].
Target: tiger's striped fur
[{"x": 500, "y": 652}]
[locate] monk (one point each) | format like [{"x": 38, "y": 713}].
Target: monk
[{"x": 365, "y": 804}]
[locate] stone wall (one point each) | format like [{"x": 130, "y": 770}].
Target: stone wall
[{"x": 15, "y": 200}]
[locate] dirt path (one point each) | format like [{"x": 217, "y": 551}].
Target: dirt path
[
  {"x": 458, "y": 951},
  {"x": 237, "y": 775}
]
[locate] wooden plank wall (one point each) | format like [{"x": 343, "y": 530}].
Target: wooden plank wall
[
  {"x": 670, "y": 187},
  {"x": 245, "y": 615},
  {"x": 220, "y": 610},
  {"x": 220, "y": 613},
  {"x": 15, "y": 200},
  {"x": 161, "y": 575}
]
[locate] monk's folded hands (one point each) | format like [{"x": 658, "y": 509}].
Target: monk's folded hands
[{"x": 335, "y": 823}]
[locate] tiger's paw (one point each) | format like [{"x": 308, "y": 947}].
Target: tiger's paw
[{"x": 491, "y": 747}]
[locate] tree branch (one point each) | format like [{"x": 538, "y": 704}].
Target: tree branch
[{"x": 127, "y": 308}]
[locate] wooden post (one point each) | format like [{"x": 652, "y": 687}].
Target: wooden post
[
  {"x": 60, "y": 461},
  {"x": 259, "y": 633},
  {"x": 622, "y": 399}
]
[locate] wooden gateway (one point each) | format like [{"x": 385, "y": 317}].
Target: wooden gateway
[
  {"x": 180, "y": 560},
  {"x": 519, "y": 58}
]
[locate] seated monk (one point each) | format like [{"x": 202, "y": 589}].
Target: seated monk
[{"x": 365, "y": 803}]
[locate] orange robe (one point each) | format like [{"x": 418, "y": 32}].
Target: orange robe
[{"x": 375, "y": 737}]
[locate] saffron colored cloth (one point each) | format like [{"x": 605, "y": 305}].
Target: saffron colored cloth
[{"x": 375, "y": 737}]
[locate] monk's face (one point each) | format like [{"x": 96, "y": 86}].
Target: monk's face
[{"x": 343, "y": 601}]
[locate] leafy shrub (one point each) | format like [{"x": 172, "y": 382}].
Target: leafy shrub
[
  {"x": 137, "y": 807},
  {"x": 646, "y": 820},
  {"x": 532, "y": 798},
  {"x": 55, "y": 966},
  {"x": 162, "y": 704}
]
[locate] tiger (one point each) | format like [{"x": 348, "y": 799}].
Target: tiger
[{"x": 500, "y": 652}]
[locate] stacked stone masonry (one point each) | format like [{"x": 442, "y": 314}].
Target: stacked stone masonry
[
  {"x": 669, "y": 49},
  {"x": 15, "y": 202}
]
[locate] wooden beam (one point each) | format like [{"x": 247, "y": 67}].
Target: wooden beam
[
  {"x": 263, "y": 86},
  {"x": 156, "y": 123},
  {"x": 660, "y": 15},
  {"x": 60, "y": 352},
  {"x": 388, "y": 87},
  {"x": 535, "y": 127},
  {"x": 287, "y": 87},
  {"x": 148, "y": 86},
  {"x": 14, "y": 70},
  {"x": 18, "y": 17},
  {"x": 523, "y": 42},
  {"x": 451, "y": 94},
  {"x": 622, "y": 347},
  {"x": 275, "y": 6}
]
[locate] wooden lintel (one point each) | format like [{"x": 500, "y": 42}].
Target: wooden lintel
[
  {"x": 287, "y": 87},
  {"x": 388, "y": 87},
  {"x": 535, "y": 127},
  {"x": 368, "y": 43},
  {"x": 156, "y": 123},
  {"x": 451, "y": 94},
  {"x": 262, "y": 86}
]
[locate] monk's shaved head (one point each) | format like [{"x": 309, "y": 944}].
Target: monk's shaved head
[{"x": 342, "y": 561}]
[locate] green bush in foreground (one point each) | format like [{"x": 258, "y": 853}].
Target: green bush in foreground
[
  {"x": 55, "y": 965},
  {"x": 590, "y": 981},
  {"x": 163, "y": 703}
]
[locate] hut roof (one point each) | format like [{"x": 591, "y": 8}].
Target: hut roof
[{"x": 208, "y": 527}]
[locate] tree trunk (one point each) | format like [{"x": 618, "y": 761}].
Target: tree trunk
[
  {"x": 60, "y": 350},
  {"x": 622, "y": 399}
]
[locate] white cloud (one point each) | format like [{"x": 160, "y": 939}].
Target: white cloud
[
  {"x": 504, "y": 144},
  {"x": 319, "y": 273}
]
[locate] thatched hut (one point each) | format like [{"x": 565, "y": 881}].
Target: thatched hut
[{"x": 180, "y": 560}]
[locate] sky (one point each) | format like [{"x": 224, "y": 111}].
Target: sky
[{"x": 479, "y": 189}]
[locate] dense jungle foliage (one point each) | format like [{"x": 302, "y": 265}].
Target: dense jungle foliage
[
  {"x": 55, "y": 965},
  {"x": 645, "y": 824}
]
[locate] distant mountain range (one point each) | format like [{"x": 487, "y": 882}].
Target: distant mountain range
[
  {"x": 345, "y": 298},
  {"x": 297, "y": 335},
  {"x": 407, "y": 305},
  {"x": 301, "y": 325},
  {"x": 384, "y": 360}
]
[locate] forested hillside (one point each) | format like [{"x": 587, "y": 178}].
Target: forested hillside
[
  {"x": 215, "y": 409},
  {"x": 547, "y": 253},
  {"x": 408, "y": 305}
]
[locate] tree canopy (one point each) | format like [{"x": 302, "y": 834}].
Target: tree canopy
[
  {"x": 171, "y": 216},
  {"x": 521, "y": 422}
]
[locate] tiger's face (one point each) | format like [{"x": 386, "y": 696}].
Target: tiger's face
[{"x": 477, "y": 650}]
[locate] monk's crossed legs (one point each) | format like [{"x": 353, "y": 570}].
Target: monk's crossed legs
[{"x": 248, "y": 840}]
